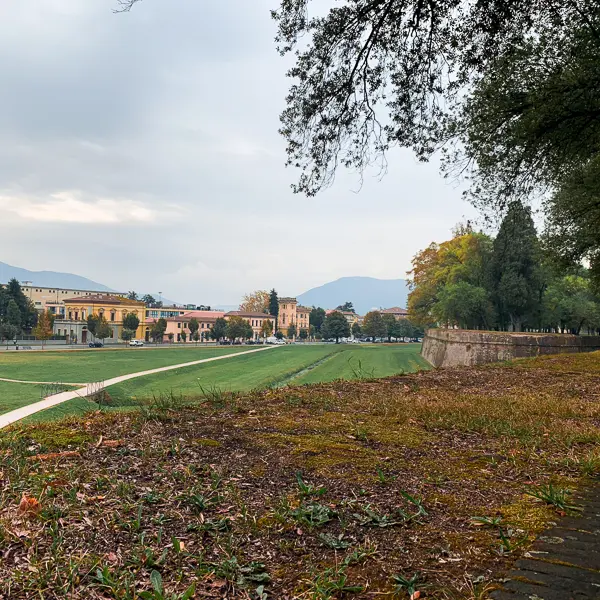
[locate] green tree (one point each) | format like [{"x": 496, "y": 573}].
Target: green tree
[
  {"x": 463, "y": 259},
  {"x": 43, "y": 329},
  {"x": 193, "y": 326},
  {"x": 149, "y": 300},
  {"x": 291, "y": 332},
  {"x": 183, "y": 336},
  {"x": 303, "y": 334},
  {"x": 337, "y": 326},
  {"x": 317, "y": 318},
  {"x": 312, "y": 332},
  {"x": 346, "y": 307},
  {"x": 516, "y": 278},
  {"x": 92, "y": 324},
  {"x": 389, "y": 322},
  {"x": 132, "y": 295},
  {"x": 248, "y": 332},
  {"x": 266, "y": 329},
  {"x": 196, "y": 337},
  {"x": 373, "y": 325},
  {"x": 26, "y": 308},
  {"x": 131, "y": 322},
  {"x": 236, "y": 328},
  {"x": 103, "y": 329},
  {"x": 8, "y": 332},
  {"x": 464, "y": 305},
  {"x": 157, "y": 331},
  {"x": 13, "y": 315},
  {"x": 279, "y": 335},
  {"x": 356, "y": 329},
  {"x": 274, "y": 306},
  {"x": 127, "y": 335},
  {"x": 219, "y": 329}
]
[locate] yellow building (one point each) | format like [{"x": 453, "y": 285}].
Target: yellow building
[
  {"x": 291, "y": 313},
  {"x": 114, "y": 309}
]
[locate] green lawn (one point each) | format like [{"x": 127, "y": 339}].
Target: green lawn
[
  {"x": 366, "y": 361},
  {"x": 289, "y": 365},
  {"x": 96, "y": 365}
]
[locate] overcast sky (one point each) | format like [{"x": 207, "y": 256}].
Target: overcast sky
[{"x": 141, "y": 150}]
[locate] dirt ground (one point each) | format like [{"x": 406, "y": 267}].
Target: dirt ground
[{"x": 428, "y": 485}]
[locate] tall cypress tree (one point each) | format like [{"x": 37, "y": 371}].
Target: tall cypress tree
[
  {"x": 516, "y": 278},
  {"x": 274, "y": 306}
]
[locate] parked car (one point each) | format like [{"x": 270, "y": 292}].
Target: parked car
[
  {"x": 96, "y": 345},
  {"x": 280, "y": 342},
  {"x": 225, "y": 343},
  {"x": 136, "y": 343}
]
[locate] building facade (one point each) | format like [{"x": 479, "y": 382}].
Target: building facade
[
  {"x": 73, "y": 323},
  {"x": 52, "y": 298},
  {"x": 396, "y": 311},
  {"x": 176, "y": 326}
]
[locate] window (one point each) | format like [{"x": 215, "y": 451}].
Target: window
[
  {"x": 178, "y": 326},
  {"x": 112, "y": 316},
  {"x": 202, "y": 326}
]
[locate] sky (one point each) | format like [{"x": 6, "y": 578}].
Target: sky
[{"x": 141, "y": 150}]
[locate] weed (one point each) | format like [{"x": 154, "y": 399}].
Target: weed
[
  {"x": 489, "y": 521},
  {"x": 313, "y": 515},
  {"x": 371, "y": 518},
  {"x": 307, "y": 489},
  {"x": 331, "y": 582},
  {"x": 556, "y": 497},
  {"x": 359, "y": 372},
  {"x": 158, "y": 591},
  {"x": 409, "y": 585}
]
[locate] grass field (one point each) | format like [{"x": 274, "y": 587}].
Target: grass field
[
  {"x": 289, "y": 365},
  {"x": 434, "y": 482}
]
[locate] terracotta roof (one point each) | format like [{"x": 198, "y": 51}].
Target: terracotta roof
[
  {"x": 187, "y": 319},
  {"x": 288, "y": 300},
  {"x": 394, "y": 310},
  {"x": 303, "y": 309},
  {"x": 242, "y": 313},
  {"x": 103, "y": 299}
]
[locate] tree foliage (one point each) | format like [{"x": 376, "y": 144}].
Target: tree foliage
[
  {"x": 238, "y": 328},
  {"x": 193, "y": 326},
  {"x": 157, "y": 331},
  {"x": 266, "y": 328},
  {"x": 43, "y": 329},
  {"x": 103, "y": 329},
  {"x": 336, "y": 326},
  {"x": 274, "y": 306},
  {"x": 291, "y": 331},
  {"x": 127, "y": 334},
  {"x": 346, "y": 307},
  {"x": 131, "y": 322},
  {"x": 258, "y": 301},
  {"x": 16, "y": 309},
  {"x": 219, "y": 329},
  {"x": 374, "y": 325},
  {"x": 317, "y": 317}
]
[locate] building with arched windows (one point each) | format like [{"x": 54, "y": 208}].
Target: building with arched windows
[{"x": 73, "y": 324}]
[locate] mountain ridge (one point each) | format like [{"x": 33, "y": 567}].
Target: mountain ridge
[{"x": 365, "y": 293}]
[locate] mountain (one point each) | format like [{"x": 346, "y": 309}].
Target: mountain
[
  {"x": 366, "y": 293},
  {"x": 50, "y": 279}
]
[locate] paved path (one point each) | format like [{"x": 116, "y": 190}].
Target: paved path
[
  {"x": 20, "y": 413},
  {"x": 39, "y": 382},
  {"x": 563, "y": 563}
]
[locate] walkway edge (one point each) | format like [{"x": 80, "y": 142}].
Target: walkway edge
[{"x": 26, "y": 411}]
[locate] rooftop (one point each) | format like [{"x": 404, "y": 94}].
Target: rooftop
[
  {"x": 288, "y": 300},
  {"x": 243, "y": 313},
  {"x": 394, "y": 310},
  {"x": 104, "y": 299}
]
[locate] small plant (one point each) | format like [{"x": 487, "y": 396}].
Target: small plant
[
  {"x": 506, "y": 545},
  {"x": 307, "y": 489},
  {"x": 556, "y": 497},
  {"x": 489, "y": 521},
  {"x": 421, "y": 512},
  {"x": 332, "y": 582},
  {"x": 158, "y": 591},
  {"x": 372, "y": 518},
  {"x": 359, "y": 555},
  {"x": 359, "y": 372},
  {"x": 409, "y": 585},
  {"x": 313, "y": 515}
]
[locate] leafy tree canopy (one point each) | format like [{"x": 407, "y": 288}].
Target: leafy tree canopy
[
  {"x": 374, "y": 325},
  {"x": 131, "y": 322},
  {"x": 257, "y": 301},
  {"x": 336, "y": 326},
  {"x": 346, "y": 307}
]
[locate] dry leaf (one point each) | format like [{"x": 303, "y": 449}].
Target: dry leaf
[{"x": 29, "y": 506}]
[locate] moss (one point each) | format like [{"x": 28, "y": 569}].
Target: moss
[
  {"x": 206, "y": 442},
  {"x": 527, "y": 514},
  {"x": 57, "y": 436}
]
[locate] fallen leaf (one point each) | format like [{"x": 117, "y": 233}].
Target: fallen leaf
[{"x": 29, "y": 506}]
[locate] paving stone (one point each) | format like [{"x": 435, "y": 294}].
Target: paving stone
[
  {"x": 544, "y": 592},
  {"x": 565, "y": 571}
]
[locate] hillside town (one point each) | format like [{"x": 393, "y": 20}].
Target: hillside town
[{"x": 92, "y": 317}]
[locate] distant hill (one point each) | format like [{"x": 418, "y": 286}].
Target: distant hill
[
  {"x": 365, "y": 293},
  {"x": 50, "y": 279}
]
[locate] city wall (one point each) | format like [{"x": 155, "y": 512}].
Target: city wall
[{"x": 458, "y": 347}]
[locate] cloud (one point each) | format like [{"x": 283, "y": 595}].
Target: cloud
[
  {"x": 68, "y": 207},
  {"x": 155, "y": 135}
]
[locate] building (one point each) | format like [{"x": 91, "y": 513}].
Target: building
[
  {"x": 114, "y": 308},
  {"x": 256, "y": 320},
  {"x": 180, "y": 324},
  {"x": 399, "y": 313},
  {"x": 52, "y": 298},
  {"x": 165, "y": 312},
  {"x": 291, "y": 313},
  {"x": 302, "y": 318}
]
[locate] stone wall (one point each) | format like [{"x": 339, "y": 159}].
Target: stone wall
[{"x": 458, "y": 347}]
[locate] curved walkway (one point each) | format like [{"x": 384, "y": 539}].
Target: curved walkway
[
  {"x": 39, "y": 382},
  {"x": 89, "y": 388}
]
